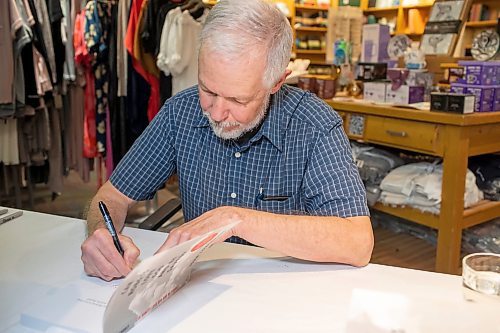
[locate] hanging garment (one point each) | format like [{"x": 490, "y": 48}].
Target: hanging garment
[
  {"x": 179, "y": 52},
  {"x": 6, "y": 56},
  {"x": 44, "y": 22},
  {"x": 134, "y": 24},
  {"x": 9, "y": 153}
]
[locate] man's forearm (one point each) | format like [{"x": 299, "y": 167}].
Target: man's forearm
[
  {"x": 316, "y": 238},
  {"x": 116, "y": 203}
]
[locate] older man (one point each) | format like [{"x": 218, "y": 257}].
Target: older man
[{"x": 246, "y": 148}]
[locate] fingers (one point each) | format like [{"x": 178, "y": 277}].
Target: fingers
[{"x": 101, "y": 258}]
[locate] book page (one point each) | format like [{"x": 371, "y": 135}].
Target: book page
[{"x": 153, "y": 281}]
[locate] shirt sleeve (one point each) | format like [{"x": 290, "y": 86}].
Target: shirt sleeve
[
  {"x": 332, "y": 183},
  {"x": 151, "y": 159}
]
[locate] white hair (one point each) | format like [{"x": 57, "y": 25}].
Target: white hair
[{"x": 235, "y": 28}]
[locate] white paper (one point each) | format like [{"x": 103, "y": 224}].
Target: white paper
[
  {"x": 76, "y": 307},
  {"x": 91, "y": 305}
]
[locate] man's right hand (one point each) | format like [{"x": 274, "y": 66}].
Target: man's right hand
[{"x": 101, "y": 258}]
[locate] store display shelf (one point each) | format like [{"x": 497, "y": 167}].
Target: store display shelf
[
  {"x": 422, "y": 6},
  {"x": 309, "y": 7},
  {"x": 481, "y": 24},
  {"x": 381, "y": 9},
  {"x": 310, "y": 51},
  {"x": 311, "y": 29},
  {"x": 411, "y": 214}
]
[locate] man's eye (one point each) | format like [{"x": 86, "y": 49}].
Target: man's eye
[{"x": 239, "y": 102}]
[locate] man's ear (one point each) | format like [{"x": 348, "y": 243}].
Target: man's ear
[{"x": 281, "y": 81}]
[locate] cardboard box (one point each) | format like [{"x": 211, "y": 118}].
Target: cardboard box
[
  {"x": 461, "y": 103},
  {"x": 480, "y": 73},
  {"x": 496, "y": 100},
  {"x": 374, "y": 43},
  {"x": 405, "y": 95},
  {"x": 458, "y": 88},
  {"x": 439, "y": 101},
  {"x": 375, "y": 91},
  {"x": 368, "y": 71},
  {"x": 485, "y": 96}
]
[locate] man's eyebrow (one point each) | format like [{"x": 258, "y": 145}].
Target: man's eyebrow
[
  {"x": 203, "y": 86},
  {"x": 236, "y": 98}
]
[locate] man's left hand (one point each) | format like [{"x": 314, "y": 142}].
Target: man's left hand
[{"x": 211, "y": 220}]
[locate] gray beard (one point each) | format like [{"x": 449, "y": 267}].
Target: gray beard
[{"x": 218, "y": 126}]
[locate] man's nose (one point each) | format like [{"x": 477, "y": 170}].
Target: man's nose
[{"x": 219, "y": 110}]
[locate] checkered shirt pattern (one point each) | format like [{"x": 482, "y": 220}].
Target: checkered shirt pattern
[{"x": 299, "y": 162}]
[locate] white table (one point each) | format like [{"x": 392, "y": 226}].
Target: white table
[{"x": 237, "y": 288}]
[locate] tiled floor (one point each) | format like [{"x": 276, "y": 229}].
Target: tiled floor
[{"x": 390, "y": 248}]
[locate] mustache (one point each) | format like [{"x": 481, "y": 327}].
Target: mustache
[{"x": 220, "y": 124}]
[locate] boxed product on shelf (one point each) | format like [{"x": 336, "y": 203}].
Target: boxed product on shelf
[
  {"x": 405, "y": 95},
  {"x": 452, "y": 102},
  {"x": 458, "y": 88},
  {"x": 374, "y": 43},
  {"x": 375, "y": 91},
  {"x": 439, "y": 101},
  {"x": 461, "y": 103},
  {"x": 496, "y": 99},
  {"x": 480, "y": 72},
  {"x": 484, "y": 97},
  {"x": 368, "y": 71}
]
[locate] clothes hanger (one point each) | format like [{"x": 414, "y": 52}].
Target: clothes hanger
[{"x": 197, "y": 11}]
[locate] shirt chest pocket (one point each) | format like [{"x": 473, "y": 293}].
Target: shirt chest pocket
[{"x": 279, "y": 203}]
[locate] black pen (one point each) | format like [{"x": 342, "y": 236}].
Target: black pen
[{"x": 110, "y": 226}]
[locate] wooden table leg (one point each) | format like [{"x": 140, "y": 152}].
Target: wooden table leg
[{"x": 452, "y": 204}]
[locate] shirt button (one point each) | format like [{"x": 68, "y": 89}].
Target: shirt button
[
  {"x": 237, "y": 154},
  {"x": 233, "y": 195}
]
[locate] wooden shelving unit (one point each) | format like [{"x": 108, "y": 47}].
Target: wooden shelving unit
[
  {"x": 399, "y": 16},
  {"x": 472, "y": 28},
  {"x": 314, "y": 31},
  {"x": 311, "y": 29},
  {"x": 310, "y": 51},
  {"x": 481, "y": 24}
]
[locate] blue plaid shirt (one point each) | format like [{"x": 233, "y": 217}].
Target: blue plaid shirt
[{"x": 299, "y": 162}]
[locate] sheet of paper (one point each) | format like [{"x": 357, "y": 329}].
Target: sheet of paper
[
  {"x": 91, "y": 305},
  {"x": 153, "y": 281},
  {"x": 70, "y": 308}
]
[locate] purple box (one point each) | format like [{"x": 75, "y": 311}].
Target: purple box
[
  {"x": 374, "y": 43},
  {"x": 484, "y": 73},
  {"x": 484, "y": 97},
  {"x": 405, "y": 95},
  {"x": 496, "y": 101},
  {"x": 458, "y": 88}
]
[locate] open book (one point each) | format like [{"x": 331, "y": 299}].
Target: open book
[{"x": 120, "y": 303}]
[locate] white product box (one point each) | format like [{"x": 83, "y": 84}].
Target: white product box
[
  {"x": 404, "y": 95},
  {"x": 375, "y": 91}
]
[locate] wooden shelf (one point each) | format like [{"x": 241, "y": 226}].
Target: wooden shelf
[
  {"x": 308, "y": 7},
  {"x": 481, "y": 24},
  {"x": 424, "y": 6},
  {"x": 310, "y": 51},
  {"x": 384, "y": 9},
  {"x": 311, "y": 29},
  {"x": 210, "y": 3}
]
